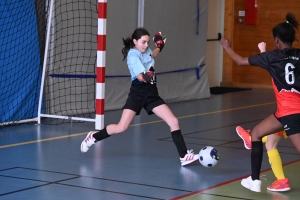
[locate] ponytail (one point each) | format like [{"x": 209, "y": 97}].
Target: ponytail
[
  {"x": 290, "y": 18},
  {"x": 128, "y": 44}
]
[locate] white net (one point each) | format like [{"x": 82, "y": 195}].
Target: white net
[{"x": 69, "y": 86}]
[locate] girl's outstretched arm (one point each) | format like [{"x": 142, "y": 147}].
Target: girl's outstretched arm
[{"x": 235, "y": 57}]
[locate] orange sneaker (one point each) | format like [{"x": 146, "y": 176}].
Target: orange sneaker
[
  {"x": 245, "y": 135},
  {"x": 280, "y": 185}
]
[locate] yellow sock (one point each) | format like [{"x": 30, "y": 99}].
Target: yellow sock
[
  {"x": 276, "y": 163},
  {"x": 264, "y": 139}
]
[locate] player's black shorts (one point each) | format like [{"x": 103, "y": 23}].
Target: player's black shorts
[
  {"x": 290, "y": 123},
  {"x": 143, "y": 96}
]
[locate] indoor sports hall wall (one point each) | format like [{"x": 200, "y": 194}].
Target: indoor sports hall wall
[{"x": 180, "y": 67}]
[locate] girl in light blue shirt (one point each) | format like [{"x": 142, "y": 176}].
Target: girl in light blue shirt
[{"x": 143, "y": 94}]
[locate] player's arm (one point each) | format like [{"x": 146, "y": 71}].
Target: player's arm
[
  {"x": 235, "y": 57},
  {"x": 155, "y": 52}
]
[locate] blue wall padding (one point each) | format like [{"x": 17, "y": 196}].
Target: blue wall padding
[{"x": 20, "y": 70}]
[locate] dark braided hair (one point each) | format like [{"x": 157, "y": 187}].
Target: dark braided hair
[
  {"x": 285, "y": 31},
  {"x": 128, "y": 42}
]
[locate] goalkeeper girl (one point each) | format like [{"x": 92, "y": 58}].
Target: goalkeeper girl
[
  {"x": 283, "y": 64},
  {"x": 143, "y": 94}
]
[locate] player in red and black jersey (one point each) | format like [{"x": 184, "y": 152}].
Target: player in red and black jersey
[{"x": 283, "y": 64}]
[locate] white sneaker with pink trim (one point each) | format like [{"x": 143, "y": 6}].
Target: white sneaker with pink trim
[
  {"x": 189, "y": 158},
  {"x": 88, "y": 142}
]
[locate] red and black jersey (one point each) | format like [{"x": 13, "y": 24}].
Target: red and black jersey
[{"x": 284, "y": 68}]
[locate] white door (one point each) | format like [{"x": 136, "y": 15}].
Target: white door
[{"x": 214, "y": 51}]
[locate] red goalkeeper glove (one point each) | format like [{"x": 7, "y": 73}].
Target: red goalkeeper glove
[
  {"x": 159, "y": 40},
  {"x": 147, "y": 76}
]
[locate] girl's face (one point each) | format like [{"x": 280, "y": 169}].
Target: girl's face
[{"x": 142, "y": 44}]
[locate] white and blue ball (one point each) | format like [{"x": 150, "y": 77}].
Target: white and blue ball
[{"x": 208, "y": 156}]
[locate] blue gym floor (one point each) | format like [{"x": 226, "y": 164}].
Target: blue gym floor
[{"x": 44, "y": 162}]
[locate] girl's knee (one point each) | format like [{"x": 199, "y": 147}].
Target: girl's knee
[
  {"x": 122, "y": 129},
  {"x": 269, "y": 147},
  {"x": 256, "y": 134},
  {"x": 116, "y": 129},
  {"x": 174, "y": 121}
]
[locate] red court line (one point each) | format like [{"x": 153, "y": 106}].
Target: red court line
[{"x": 224, "y": 183}]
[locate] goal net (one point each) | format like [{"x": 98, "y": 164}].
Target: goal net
[
  {"x": 20, "y": 60},
  {"x": 65, "y": 77},
  {"x": 69, "y": 68}
]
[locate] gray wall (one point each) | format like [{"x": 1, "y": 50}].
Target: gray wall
[{"x": 184, "y": 49}]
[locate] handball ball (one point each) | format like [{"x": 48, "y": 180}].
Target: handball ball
[{"x": 208, "y": 156}]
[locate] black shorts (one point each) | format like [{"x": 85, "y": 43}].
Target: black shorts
[
  {"x": 143, "y": 96},
  {"x": 290, "y": 123}
]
